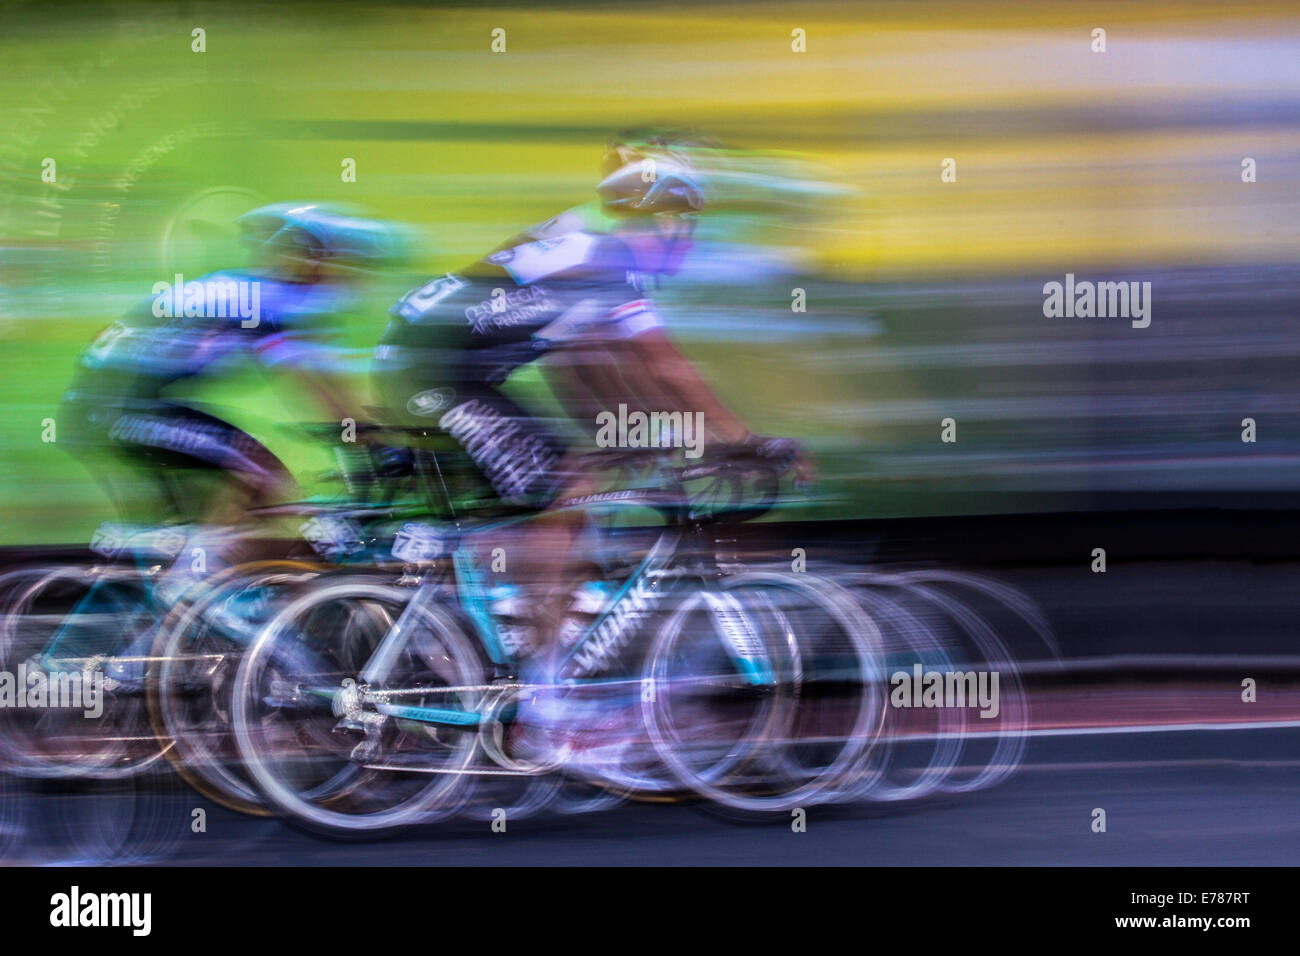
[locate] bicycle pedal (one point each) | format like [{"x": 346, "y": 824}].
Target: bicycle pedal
[{"x": 367, "y": 751}]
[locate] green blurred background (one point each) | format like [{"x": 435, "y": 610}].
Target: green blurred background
[{"x": 1068, "y": 160}]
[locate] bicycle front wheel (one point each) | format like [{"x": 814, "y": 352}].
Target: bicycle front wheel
[
  {"x": 61, "y": 627},
  {"x": 196, "y": 656},
  {"x": 765, "y": 693}
]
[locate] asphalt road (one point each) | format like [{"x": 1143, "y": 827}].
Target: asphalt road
[
  {"x": 1164, "y": 646},
  {"x": 1189, "y": 798}
]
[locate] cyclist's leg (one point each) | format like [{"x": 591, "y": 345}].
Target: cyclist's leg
[
  {"x": 517, "y": 460},
  {"x": 226, "y": 472},
  {"x": 133, "y": 485}
]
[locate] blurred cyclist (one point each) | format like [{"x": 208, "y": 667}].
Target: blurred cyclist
[
  {"x": 280, "y": 312},
  {"x": 574, "y": 290}
]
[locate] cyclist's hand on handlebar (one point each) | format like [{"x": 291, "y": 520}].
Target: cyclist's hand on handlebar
[{"x": 786, "y": 453}]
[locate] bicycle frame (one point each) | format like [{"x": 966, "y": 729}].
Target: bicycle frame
[
  {"x": 142, "y": 572},
  {"x": 595, "y": 651},
  {"x": 136, "y": 646}
]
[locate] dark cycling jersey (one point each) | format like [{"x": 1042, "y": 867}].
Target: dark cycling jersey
[
  {"x": 452, "y": 341},
  {"x": 117, "y": 399},
  {"x": 553, "y": 285},
  {"x": 237, "y": 315}
]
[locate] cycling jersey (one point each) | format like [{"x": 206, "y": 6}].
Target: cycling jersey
[
  {"x": 219, "y": 317},
  {"x": 551, "y": 286},
  {"x": 453, "y": 340},
  {"x": 117, "y": 397}
]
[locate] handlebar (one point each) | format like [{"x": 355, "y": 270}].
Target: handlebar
[
  {"x": 741, "y": 485},
  {"x": 746, "y": 485}
]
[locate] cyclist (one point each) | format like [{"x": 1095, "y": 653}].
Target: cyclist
[
  {"x": 279, "y": 312},
  {"x": 574, "y": 291}
]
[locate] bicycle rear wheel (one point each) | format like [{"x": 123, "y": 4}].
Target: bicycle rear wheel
[
  {"x": 65, "y": 623},
  {"x": 314, "y": 740}
]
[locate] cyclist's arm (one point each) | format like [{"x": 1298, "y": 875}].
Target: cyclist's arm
[
  {"x": 654, "y": 367},
  {"x": 584, "y": 379},
  {"x": 314, "y": 367}
]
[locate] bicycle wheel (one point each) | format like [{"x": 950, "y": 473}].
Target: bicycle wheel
[
  {"x": 14, "y": 814},
  {"x": 55, "y": 627},
  {"x": 791, "y": 728},
  {"x": 196, "y": 656},
  {"x": 918, "y": 748},
  {"x": 997, "y": 750},
  {"x": 143, "y": 819},
  {"x": 318, "y": 745}
]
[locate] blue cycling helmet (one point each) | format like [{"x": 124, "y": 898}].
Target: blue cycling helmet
[{"x": 317, "y": 232}]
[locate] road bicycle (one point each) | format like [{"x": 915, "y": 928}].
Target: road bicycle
[
  {"x": 110, "y": 620},
  {"x": 367, "y": 705}
]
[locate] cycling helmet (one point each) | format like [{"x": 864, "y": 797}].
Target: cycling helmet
[
  {"x": 317, "y": 232},
  {"x": 648, "y": 173},
  {"x": 649, "y": 187},
  {"x": 631, "y": 145}
]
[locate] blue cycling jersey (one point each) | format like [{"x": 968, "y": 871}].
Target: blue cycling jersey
[{"x": 190, "y": 329}]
